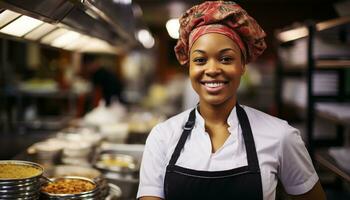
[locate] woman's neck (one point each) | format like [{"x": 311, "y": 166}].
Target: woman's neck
[{"x": 217, "y": 114}]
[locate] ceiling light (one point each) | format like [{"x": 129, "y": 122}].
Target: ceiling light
[
  {"x": 7, "y": 16},
  {"x": 79, "y": 43},
  {"x": 145, "y": 37},
  {"x": 126, "y": 2},
  {"x": 65, "y": 39},
  {"x": 173, "y": 26},
  {"x": 40, "y": 31},
  {"x": 49, "y": 38},
  {"x": 293, "y": 34},
  {"x": 21, "y": 26},
  {"x": 97, "y": 45}
]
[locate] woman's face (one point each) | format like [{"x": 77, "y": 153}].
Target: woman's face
[{"x": 215, "y": 68}]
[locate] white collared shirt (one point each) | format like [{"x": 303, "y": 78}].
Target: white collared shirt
[{"x": 281, "y": 152}]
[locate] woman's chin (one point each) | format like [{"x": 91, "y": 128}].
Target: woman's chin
[{"x": 215, "y": 101}]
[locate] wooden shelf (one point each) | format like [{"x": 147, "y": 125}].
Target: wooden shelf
[{"x": 324, "y": 159}]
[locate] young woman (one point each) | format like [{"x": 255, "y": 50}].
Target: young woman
[{"x": 221, "y": 149}]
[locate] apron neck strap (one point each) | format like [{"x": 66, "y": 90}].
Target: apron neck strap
[
  {"x": 252, "y": 157},
  {"x": 187, "y": 129}
]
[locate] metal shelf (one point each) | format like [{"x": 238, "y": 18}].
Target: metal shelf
[
  {"x": 302, "y": 31},
  {"x": 324, "y": 159},
  {"x": 332, "y": 117},
  {"x": 332, "y": 64}
]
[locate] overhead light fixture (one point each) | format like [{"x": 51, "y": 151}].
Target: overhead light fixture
[
  {"x": 146, "y": 39},
  {"x": 7, "y": 16},
  {"x": 79, "y": 43},
  {"x": 98, "y": 45},
  {"x": 58, "y": 35},
  {"x": 173, "y": 26},
  {"x": 126, "y": 2},
  {"x": 40, "y": 31},
  {"x": 293, "y": 34},
  {"x": 49, "y": 38},
  {"x": 65, "y": 39},
  {"x": 21, "y": 26}
]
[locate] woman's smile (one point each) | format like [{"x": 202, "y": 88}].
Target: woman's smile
[{"x": 214, "y": 86}]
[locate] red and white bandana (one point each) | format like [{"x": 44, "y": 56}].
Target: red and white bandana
[
  {"x": 221, "y": 16},
  {"x": 220, "y": 29}
]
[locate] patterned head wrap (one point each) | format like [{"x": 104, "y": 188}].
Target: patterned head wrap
[{"x": 223, "y": 17}]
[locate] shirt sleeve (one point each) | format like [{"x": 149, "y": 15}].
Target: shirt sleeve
[
  {"x": 153, "y": 165},
  {"x": 296, "y": 170}
]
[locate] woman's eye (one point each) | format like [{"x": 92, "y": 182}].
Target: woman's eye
[
  {"x": 226, "y": 59},
  {"x": 199, "y": 60}
]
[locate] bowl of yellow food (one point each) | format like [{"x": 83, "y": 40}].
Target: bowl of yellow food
[
  {"x": 19, "y": 179},
  {"x": 115, "y": 162}
]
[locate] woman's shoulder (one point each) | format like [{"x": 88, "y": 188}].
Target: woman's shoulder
[
  {"x": 262, "y": 118},
  {"x": 268, "y": 125}
]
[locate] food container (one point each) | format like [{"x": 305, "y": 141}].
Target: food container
[
  {"x": 71, "y": 187},
  {"x": 77, "y": 149},
  {"x": 49, "y": 149},
  {"x": 76, "y": 161},
  {"x": 120, "y": 163},
  {"x": 87, "y": 172},
  {"x": 121, "y": 170},
  {"x": 116, "y": 132},
  {"x": 85, "y": 135},
  {"x": 19, "y": 179}
]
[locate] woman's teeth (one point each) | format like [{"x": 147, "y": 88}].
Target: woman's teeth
[{"x": 213, "y": 85}]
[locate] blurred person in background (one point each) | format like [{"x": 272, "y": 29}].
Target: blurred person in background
[
  {"x": 105, "y": 81},
  {"x": 220, "y": 149}
]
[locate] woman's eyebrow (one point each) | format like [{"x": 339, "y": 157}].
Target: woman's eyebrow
[
  {"x": 197, "y": 51},
  {"x": 226, "y": 49},
  {"x": 221, "y": 51}
]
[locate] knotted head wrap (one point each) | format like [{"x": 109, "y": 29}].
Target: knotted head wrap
[{"x": 224, "y": 17}]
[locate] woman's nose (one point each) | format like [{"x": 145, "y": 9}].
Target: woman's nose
[{"x": 212, "y": 68}]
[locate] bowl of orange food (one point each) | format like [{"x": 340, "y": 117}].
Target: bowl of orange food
[{"x": 70, "y": 187}]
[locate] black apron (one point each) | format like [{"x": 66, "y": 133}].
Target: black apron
[{"x": 242, "y": 183}]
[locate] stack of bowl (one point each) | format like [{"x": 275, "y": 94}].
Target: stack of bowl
[{"x": 19, "y": 180}]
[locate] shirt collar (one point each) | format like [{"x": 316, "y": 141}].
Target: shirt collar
[{"x": 232, "y": 119}]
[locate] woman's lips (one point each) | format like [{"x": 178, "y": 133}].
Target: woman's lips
[{"x": 214, "y": 87}]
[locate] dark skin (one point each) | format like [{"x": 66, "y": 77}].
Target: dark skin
[{"x": 215, "y": 70}]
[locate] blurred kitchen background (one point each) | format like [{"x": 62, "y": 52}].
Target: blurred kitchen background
[{"x": 106, "y": 70}]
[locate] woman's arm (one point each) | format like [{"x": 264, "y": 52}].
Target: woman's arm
[
  {"x": 150, "y": 198},
  {"x": 316, "y": 193}
]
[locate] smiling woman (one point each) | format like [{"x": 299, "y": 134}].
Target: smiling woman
[
  {"x": 215, "y": 72},
  {"x": 221, "y": 149}
]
